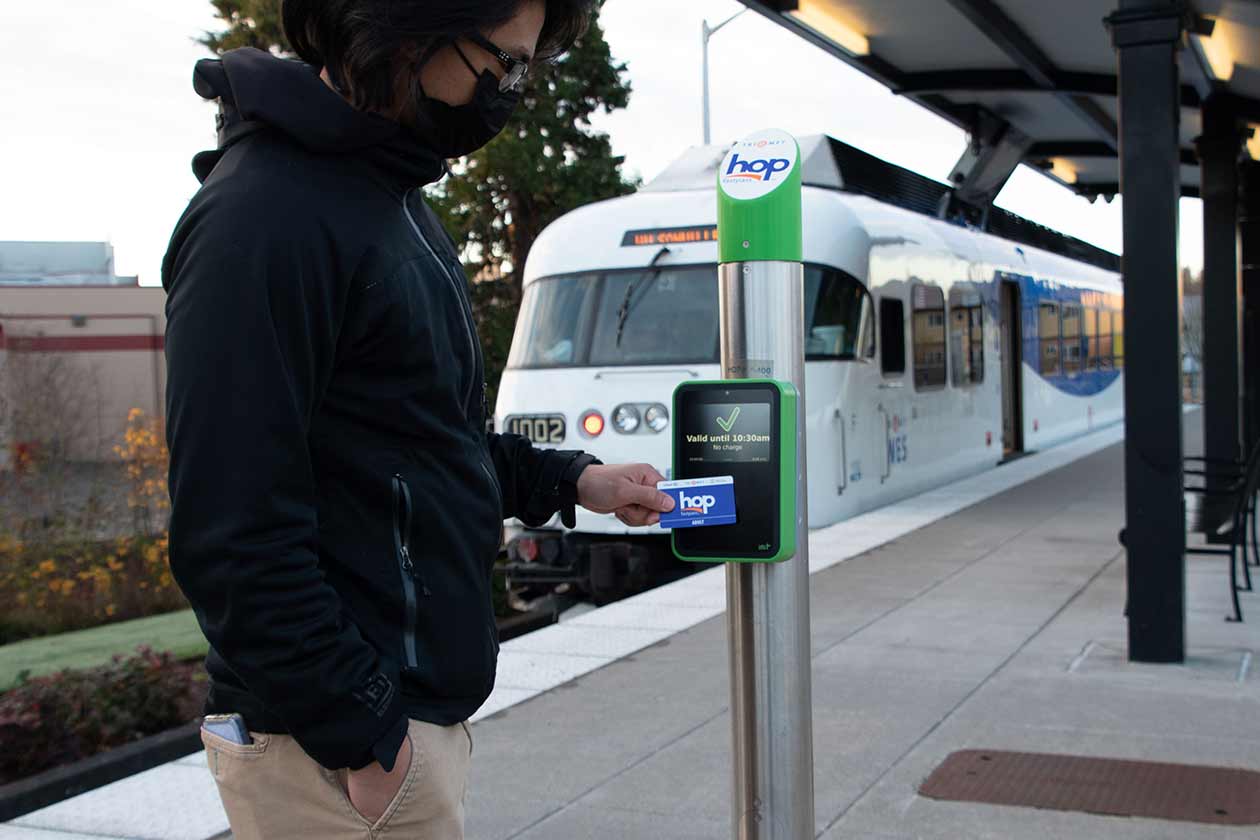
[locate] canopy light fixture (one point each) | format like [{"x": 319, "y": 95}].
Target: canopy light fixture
[
  {"x": 1214, "y": 52},
  {"x": 821, "y": 17},
  {"x": 1253, "y": 142},
  {"x": 1063, "y": 170}
]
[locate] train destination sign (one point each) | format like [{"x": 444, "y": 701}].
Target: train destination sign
[
  {"x": 742, "y": 431},
  {"x": 670, "y": 236}
]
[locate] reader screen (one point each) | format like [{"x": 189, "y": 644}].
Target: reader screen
[{"x": 726, "y": 432}]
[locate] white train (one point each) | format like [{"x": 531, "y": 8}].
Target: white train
[{"x": 933, "y": 350}]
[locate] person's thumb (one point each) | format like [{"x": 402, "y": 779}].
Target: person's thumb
[{"x": 651, "y": 498}]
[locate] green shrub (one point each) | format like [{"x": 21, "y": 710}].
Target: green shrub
[{"x": 70, "y": 715}]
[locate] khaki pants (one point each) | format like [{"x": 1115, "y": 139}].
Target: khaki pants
[{"x": 272, "y": 790}]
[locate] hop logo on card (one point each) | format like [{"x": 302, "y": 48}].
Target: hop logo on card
[{"x": 696, "y": 504}]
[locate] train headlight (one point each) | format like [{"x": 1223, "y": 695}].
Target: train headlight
[
  {"x": 657, "y": 417},
  {"x": 592, "y": 424},
  {"x": 626, "y": 419}
]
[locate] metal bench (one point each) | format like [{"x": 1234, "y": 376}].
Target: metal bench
[{"x": 1230, "y": 487}]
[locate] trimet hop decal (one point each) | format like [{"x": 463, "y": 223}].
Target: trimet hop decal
[{"x": 756, "y": 165}]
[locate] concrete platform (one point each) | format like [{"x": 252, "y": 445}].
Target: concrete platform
[
  {"x": 984, "y": 614},
  {"x": 997, "y": 627}
]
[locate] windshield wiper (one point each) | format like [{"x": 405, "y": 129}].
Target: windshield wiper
[{"x": 648, "y": 278}]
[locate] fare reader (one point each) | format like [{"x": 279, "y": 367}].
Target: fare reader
[{"x": 734, "y": 470}]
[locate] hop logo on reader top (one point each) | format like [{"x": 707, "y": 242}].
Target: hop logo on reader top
[
  {"x": 758, "y": 169},
  {"x": 696, "y": 504}
]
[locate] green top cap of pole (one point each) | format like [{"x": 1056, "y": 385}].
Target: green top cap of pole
[{"x": 759, "y": 199}]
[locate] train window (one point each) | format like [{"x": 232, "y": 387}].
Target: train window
[
  {"x": 966, "y": 336},
  {"x": 1091, "y": 338},
  {"x": 1048, "y": 335},
  {"x": 651, "y": 318},
  {"x": 618, "y": 318},
  {"x": 928, "y": 335},
  {"x": 1117, "y": 332},
  {"x": 1104, "y": 339},
  {"x": 837, "y": 312},
  {"x": 1071, "y": 339},
  {"x": 892, "y": 336},
  {"x": 554, "y": 314}
]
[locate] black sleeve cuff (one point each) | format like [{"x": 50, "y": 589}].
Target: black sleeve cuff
[
  {"x": 554, "y": 487},
  {"x": 385, "y": 750},
  {"x": 567, "y": 487}
]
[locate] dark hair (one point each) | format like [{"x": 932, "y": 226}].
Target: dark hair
[{"x": 360, "y": 41}]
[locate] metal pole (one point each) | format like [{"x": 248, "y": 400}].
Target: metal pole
[
  {"x": 707, "y": 32},
  {"x": 1146, "y": 35},
  {"x": 762, "y": 335}
]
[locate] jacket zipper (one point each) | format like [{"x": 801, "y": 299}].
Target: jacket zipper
[
  {"x": 494, "y": 481},
  {"x": 463, "y": 308},
  {"x": 402, "y": 549}
]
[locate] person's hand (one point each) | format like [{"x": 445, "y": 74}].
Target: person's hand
[
  {"x": 627, "y": 490},
  {"x": 371, "y": 789}
]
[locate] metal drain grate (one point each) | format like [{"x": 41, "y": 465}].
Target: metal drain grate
[{"x": 1183, "y": 792}]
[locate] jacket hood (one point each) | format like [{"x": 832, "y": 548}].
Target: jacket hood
[{"x": 257, "y": 91}]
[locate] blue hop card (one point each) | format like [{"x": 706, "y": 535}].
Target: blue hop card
[{"x": 700, "y": 502}]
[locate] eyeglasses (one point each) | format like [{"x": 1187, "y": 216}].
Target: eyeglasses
[{"x": 517, "y": 71}]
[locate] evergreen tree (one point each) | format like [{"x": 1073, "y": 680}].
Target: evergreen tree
[
  {"x": 250, "y": 23},
  {"x": 499, "y": 199}
]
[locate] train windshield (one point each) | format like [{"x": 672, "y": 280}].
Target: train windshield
[{"x": 666, "y": 315}]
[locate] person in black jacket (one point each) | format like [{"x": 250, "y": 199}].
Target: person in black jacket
[{"x": 336, "y": 501}]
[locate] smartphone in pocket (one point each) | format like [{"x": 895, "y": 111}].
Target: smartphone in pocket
[{"x": 229, "y": 727}]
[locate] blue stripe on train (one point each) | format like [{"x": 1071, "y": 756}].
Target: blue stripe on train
[
  {"x": 1033, "y": 292},
  {"x": 1087, "y": 383}
]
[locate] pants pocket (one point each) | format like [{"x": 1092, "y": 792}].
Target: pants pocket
[
  {"x": 434, "y": 803},
  {"x": 225, "y": 758},
  {"x": 468, "y": 732},
  {"x": 340, "y": 778},
  {"x": 272, "y": 790}
]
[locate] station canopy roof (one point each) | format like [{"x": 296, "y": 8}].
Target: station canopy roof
[{"x": 1046, "y": 69}]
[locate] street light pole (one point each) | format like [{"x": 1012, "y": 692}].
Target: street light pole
[{"x": 707, "y": 32}]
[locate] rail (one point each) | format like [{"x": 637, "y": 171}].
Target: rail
[
  {"x": 844, "y": 455},
  {"x": 887, "y": 471}
]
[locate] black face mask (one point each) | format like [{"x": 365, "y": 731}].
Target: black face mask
[{"x": 458, "y": 130}]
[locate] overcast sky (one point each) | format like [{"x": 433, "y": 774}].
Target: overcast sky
[{"x": 99, "y": 119}]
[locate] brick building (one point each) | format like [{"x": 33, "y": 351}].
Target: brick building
[{"x": 79, "y": 348}]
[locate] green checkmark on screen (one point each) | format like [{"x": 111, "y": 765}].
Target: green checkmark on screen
[{"x": 729, "y": 423}]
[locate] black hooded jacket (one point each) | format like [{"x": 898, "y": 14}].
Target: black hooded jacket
[{"x": 336, "y": 502}]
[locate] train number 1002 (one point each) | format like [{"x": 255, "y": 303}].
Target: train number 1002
[{"x": 539, "y": 429}]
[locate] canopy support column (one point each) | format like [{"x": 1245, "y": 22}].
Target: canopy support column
[
  {"x": 1147, "y": 35},
  {"x": 1249, "y": 240},
  {"x": 1219, "y": 150}
]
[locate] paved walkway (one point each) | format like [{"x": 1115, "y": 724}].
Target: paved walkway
[
  {"x": 984, "y": 614},
  {"x": 999, "y": 627}
]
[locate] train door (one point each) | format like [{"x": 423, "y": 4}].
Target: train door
[
  {"x": 1012, "y": 371},
  {"x": 886, "y": 443}
]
